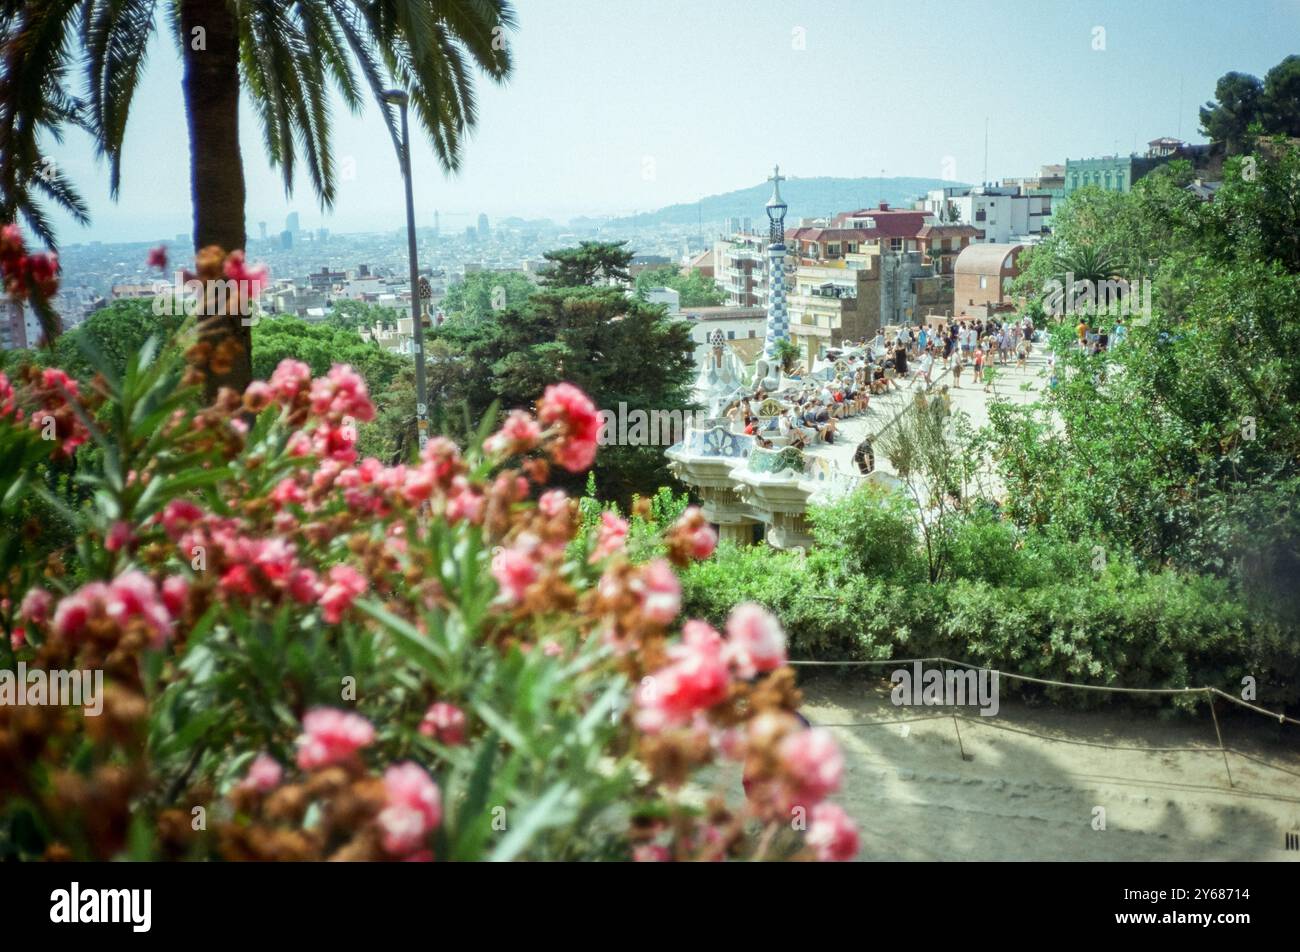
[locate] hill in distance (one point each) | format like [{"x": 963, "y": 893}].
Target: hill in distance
[{"x": 807, "y": 197}]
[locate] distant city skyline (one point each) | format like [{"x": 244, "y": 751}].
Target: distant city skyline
[{"x": 618, "y": 107}]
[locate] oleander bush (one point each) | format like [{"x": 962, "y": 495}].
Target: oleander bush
[{"x": 306, "y": 655}]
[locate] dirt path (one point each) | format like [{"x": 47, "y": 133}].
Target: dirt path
[{"x": 1025, "y": 798}]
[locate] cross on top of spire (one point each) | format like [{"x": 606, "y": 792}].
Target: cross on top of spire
[{"x": 776, "y": 178}]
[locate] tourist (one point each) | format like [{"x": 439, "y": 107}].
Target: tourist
[
  {"x": 927, "y": 365},
  {"x": 959, "y": 361},
  {"x": 828, "y": 432},
  {"x": 900, "y": 362}
]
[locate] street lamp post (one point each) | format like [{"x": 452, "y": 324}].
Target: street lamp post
[{"x": 399, "y": 98}]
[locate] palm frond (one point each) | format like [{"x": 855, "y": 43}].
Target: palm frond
[{"x": 34, "y": 102}]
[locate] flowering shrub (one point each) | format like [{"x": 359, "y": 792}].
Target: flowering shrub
[{"x": 308, "y": 655}]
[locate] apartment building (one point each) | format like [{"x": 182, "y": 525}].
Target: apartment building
[{"x": 1002, "y": 213}]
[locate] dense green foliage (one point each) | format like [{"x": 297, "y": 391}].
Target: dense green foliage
[
  {"x": 695, "y": 289},
  {"x": 482, "y": 292},
  {"x": 616, "y": 348},
  {"x": 1182, "y": 444}
]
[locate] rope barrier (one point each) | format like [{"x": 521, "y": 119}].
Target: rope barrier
[
  {"x": 1209, "y": 692},
  {"x": 1281, "y": 718}
]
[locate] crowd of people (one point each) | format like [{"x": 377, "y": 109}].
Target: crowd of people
[{"x": 925, "y": 353}]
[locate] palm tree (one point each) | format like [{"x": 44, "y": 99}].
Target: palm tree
[
  {"x": 284, "y": 54},
  {"x": 1087, "y": 266}
]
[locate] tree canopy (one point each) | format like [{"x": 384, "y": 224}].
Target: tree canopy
[
  {"x": 480, "y": 293},
  {"x": 616, "y": 348},
  {"x": 1244, "y": 106},
  {"x": 590, "y": 264},
  {"x": 695, "y": 289}
]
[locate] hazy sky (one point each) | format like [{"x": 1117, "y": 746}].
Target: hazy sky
[{"x": 618, "y": 106}]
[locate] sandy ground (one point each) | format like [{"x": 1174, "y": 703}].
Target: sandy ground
[{"x": 1018, "y": 797}]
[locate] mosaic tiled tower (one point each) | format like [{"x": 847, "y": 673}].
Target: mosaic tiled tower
[{"x": 778, "y": 321}]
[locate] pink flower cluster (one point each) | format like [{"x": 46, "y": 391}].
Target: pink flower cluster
[
  {"x": 8, "y": 403},
  {"x": 250, "y": 280},
  {"x": 132, "y": 595},
  {"x": 341, "y": 394},
  {"x": 250, "y": 565},
  {"x": 345, "y": 584},
  {"x": 53, "y": 396},
  {"x": 445, "y": 723},
  {"x": 831, "y": 834},
  {"x": 331, "y": 736},
  {"x": 515, "y": 569},
  {"x": 264, "y": 774},
  {"x": 24, "y": 273},
  {"x": 813, "y": 765},
  {"x": 569, "y": 410},
  {"x": 519, "y": 434},
  {"x": 414, "y": 810},
  {"x": 611, "y": 536},
  {"x": 703, "y": 665}
]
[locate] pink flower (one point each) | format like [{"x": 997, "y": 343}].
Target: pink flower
[
  {"x": 514, "y": 570},
  {"x": 445, "y": 723},
  {"x": 755, "y": 641},
  {"x": 331, "y": 736},
  {"x": 74, "y": 611},
  {"x": 178, "y": 516},
  {"x": 693, "y": 532},
  {"x": 519, "y": 434},
  {"x": 304, "y": 587},
  {"x": 237, "y": 580},
  {"x": 696, "y": 680},
  {"x": 250, "y": 280},
  {"x": 660, "y": 591},
  {"x": 129, "y": 597},
  {"x": 175, "y": 594},
  {"x": 264, "y": 774},
  {"x": 8, "y": 404},
  {"x": 466, "y": 505},
  {"x": 813, "y": 765},
  {"x": 651, "y": 853},
  {"x": 553, "y": 502},
  {"x": 134, "y": 595},
  {"x": 345, "y": 584},
  {"x": 832, "y": 834},
  {"x": 289, "y": 378},
  {"x": 414, "y": 808},
  {"x": 341, "y": 394},
  {"x": 157, "y": 258},
  {"x": 36, "y": 606},
  {"x": 119, "y": 536},
  {"x": 570, "y": 410},
  {"x": 258, "y": 395},
  {"x": 610, "y": 537},
  {"x": 287, "y": 492}
]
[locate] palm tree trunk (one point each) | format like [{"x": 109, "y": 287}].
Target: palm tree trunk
[{"x": 211, "y": 85}]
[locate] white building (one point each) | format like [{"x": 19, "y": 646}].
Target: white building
[
  {"x": 1004, "y": 214},
  {"x": 668, "y": 297},
  {"x": 740, "y": 268}
]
